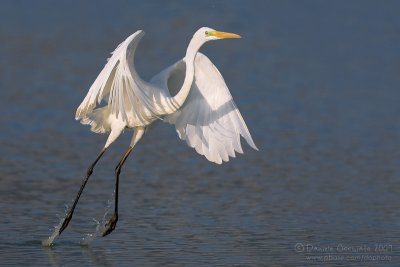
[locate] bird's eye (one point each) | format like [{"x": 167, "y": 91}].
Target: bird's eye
[{"x": 207, "y": 33}]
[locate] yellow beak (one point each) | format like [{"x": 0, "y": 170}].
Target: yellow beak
[{"x": 224, "y": 35}]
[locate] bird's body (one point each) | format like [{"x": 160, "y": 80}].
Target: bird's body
[{"x": 190, "y": 94}]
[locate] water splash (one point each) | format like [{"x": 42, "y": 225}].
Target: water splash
[
  {"x": 100, "y": 226},
  {"x": 50, "y": 240},
  {"x": 56, "y": 232},
  {"x": 90, "y": 237}
]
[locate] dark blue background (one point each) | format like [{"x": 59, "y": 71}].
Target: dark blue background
[{"x": 316, "y": 81}]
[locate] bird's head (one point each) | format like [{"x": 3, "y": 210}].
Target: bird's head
[{"x": 208, "y": 34}]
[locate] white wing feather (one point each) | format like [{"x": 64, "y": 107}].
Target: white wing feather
[
  {"x": 209, "y": 120},
  {"x": 120, "y": 86}
]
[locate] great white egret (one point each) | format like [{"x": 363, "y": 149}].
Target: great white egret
[{"x": 191, "y": 94}]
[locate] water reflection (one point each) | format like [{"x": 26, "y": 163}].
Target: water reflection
[
  {"x": 97, "y": 257},
  {"x": 57, "y": 256},
  {"x": 54, "y": 257}
]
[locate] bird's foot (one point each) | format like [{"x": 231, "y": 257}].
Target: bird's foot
[{"x": 110, "y": 225}]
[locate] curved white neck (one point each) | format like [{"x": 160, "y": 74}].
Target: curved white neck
[{"x": 191, "y": 52}]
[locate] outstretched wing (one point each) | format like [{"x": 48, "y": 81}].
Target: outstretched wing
[
  {"x": 209, "y": 120},
  {"x": 119, "y": 85}
]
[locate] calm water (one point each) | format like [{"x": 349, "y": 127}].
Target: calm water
[{"x": 319, "y": 86}]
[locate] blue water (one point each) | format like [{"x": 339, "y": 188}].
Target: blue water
[{"x": 316, "y": 81}]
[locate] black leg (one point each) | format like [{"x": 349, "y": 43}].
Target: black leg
[
  {"x": 112, "y": 223},
  {"x": 68, "y": 217}
]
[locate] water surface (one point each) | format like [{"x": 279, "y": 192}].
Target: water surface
[{"x": 317, "y": 83}]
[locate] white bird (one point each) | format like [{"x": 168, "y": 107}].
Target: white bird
[{"x": 191, "y": 94}]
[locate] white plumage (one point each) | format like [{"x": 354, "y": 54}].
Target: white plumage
[
  {"x": 209, "y": 120},
  {"x": 205, "y": 116},
  {"x": 191, "y": 94},
  {"x": 127, "y": 98}
]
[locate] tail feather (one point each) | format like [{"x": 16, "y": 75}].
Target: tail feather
[{"x": 98, "y": 120}]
